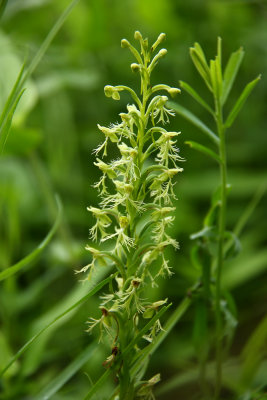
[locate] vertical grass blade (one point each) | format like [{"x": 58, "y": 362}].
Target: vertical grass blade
[
  {"x": 5, "y": 128},
  {"x": 48, "y": 40},
  {"x": 56, "y": 384},
  {"x": 35, "y": 253},
  {"x": 2, "y": 7},
  {"x": 79, "y": 302},
  {"x": 171, "y": 322},
  {"x": 24, "y": 75}
]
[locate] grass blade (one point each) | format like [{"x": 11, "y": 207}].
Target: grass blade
[
  {"x": 246, "y": 269},
  {"x": 172, "y": 321},
  {"x": 2, "y": 7},
  {"x": 199, "y": 60},
  {"x": 230, "y": 73},
  {"x": 195, "y": 96},
  {"x": 145, "y": 329},
  {"x": 204, "y": 150},
  {"x": 35, "y": 253},
  {"x": 22, "y": 78},
  {"x": 12, "y": 99},
  {"x": 56, "y": 384},
  {"x": 48, "y": 40},
  {"x": 5, "y": 129},
  {"x": 79, "y": 302},
  {"x": 194, "y": 120},
  {"x": 253, "y": 352},
  {"x": 240, "y": 102}
]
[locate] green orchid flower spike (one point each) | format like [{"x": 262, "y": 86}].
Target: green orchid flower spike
[{"x": 137, "y": 192}]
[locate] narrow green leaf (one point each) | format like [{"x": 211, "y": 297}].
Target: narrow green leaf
[
  {"x": 201, "y": 65},
  {"x": 204, "y": 150},
  {"x": 194, "y": 120},
  {"x": 12, "y": 99},
  {"x": 254, "y": 352},
  {"x": 61, "y": 315},
  {"x": 230, "y": 73},
  {"x": 211, "y": 217},
  {"x": 250, "y": 209},
  {"x": 168, "y": 326},
  {"x": 2, "y": 7},
  {"x": 201, "y": 54},
  {"x": 5, "y": 128},
  {"x": 190, "y": 377},
  {"x": 56, "y": 384},
  {"x": 195, "y": 96},
  {"x": 22, "y": 78},
  {"x": 35, "y": 253},
  {"x": 215, "y": 78},
  {"x": 247, "y": 268},
  {"x": 143, "y": 331},
  {"x": 98, "y": 384},
  {"x": 48, "y": 40},
  {"x": 240, "y": 102}
]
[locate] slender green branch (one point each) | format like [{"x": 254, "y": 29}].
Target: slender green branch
[{"x": 220, "y": 256}]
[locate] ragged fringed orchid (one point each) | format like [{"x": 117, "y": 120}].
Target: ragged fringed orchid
[{"x": 138, "y": 160}]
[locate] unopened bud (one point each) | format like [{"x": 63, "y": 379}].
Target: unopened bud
[
  {"x": 111, "y": 91},
  {"x": 135, "y": 67},
  {"x": 137, "y": 35},
  {"x": 161, "y": 37},
  {"x": 174, "y": 91},
  {"x": 159, "y": 40},
  {"x": 162, "y": 52},
  {"x": 125, "y": 43}
]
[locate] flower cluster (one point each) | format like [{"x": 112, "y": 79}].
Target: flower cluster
[{"x": 136, "y": 191}]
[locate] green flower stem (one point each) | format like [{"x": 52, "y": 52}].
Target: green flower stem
[
  {"x": 220, "y": 256},
  {"x": 219, "y": 82},
  {"x": 126, "y": 381}
]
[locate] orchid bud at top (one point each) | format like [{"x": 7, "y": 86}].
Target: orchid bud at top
[
  {"x": 125, "y": 43},
  {"x": 137, "y": 35},
  {"x": 159, "y": 40}
]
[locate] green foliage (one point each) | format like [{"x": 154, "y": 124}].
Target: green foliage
[
  {"x": 215, "y": 244},
  {"x": 48, "y": 150}
]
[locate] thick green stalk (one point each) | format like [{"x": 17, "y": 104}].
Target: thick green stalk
[
  {"x": 220, "y": 258},
  {"x": 126, "y": 382}
]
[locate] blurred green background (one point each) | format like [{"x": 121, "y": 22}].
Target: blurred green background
[{"x": 49, "y": 151}]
